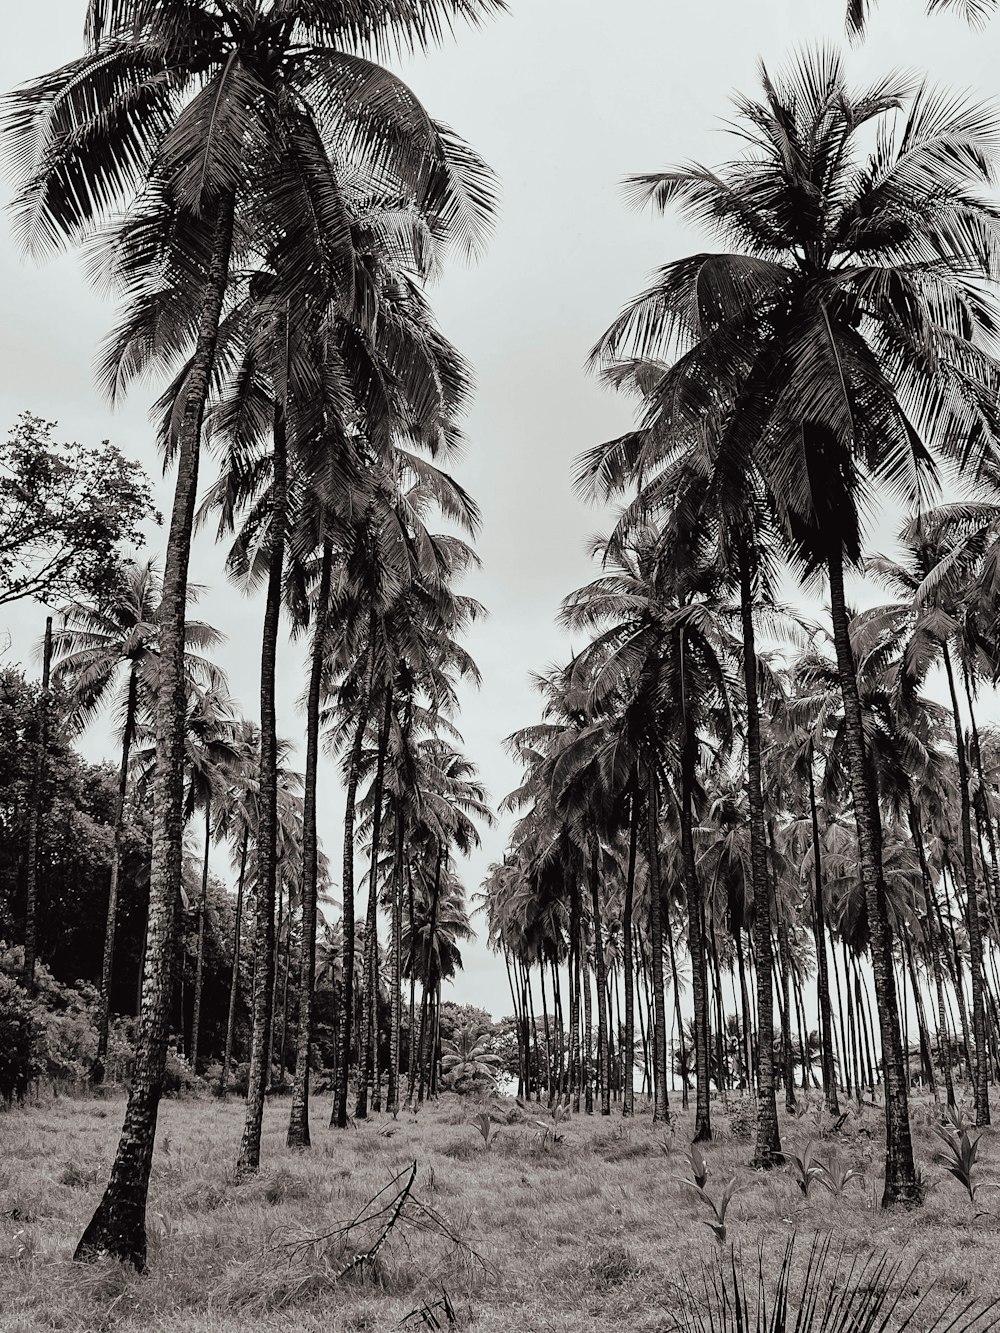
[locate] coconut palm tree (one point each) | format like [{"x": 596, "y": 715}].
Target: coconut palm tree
[
  {"x": 216, "y": 133},
  {"x": 794, "y": 351},
  {"x": 93, "y": 645}
]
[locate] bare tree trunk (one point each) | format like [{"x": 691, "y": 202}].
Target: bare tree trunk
[
  {"x": 661, "y": 1106},
  {"x": 369, "y": 1057},
  {"x": 234, "y": 982},
  {"x": 396, "y": 998},
  {"x": 603, "y": 1081},
  {"x": 200, "y": 961},
  {"x": 118, "y": 1227},
  {"x": 628, "y": 1062},
  {"x": 901, "y": 1185},
  {"x": 248, "y": 1162},
  {"x": 34, "y": 817},
  {"x": 822, "y": 975},
  {"x": 338, "y": 1114},
  {"x": 298, "y": 1117}
]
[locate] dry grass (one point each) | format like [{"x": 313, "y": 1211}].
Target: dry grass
[{"x": 579, "y": 1235}]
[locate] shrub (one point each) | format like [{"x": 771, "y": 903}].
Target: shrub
[{"x": 15, "y": 1040}]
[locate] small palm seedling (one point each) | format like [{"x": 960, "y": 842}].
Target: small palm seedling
[
  {"x": 836, "y": 1176},
  {"x": 717, "y": 1207},
  {"x": 559, "y": 1113},
  {"x": 960, "y": 1154},
  {"x": 805, "y": 1168},
  {"x": 487, "y": 1128}
]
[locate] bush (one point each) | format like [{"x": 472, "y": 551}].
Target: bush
[
  {"x": 121, "y": 1050},
  {"x": 15, "y": 1040},
  {"x": 61, "y": 1022},
  {"x": 178, "y": 1076}
]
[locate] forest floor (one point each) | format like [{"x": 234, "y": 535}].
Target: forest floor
[{"x": 593, "y": 1232}]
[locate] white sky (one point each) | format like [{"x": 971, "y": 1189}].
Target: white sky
[{"x": 563, "y": 98}]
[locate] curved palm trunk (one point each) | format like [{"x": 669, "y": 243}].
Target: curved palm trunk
[
  {"x": 822, "y": 972},
  {"x": 603, "y": 1080},
  {"x": 369, "y": 1058},
  {"x": 900, "y": 1178},
  {"x": 973, "y": 917},
  {"x": 34, "y": 817},
  {"x": 234, "y": 981},
  {"x": 338, "y": 1116},
  {"x": 768, "y": 1147},
  {"x": 628, "y": 1058},
  {"x": 118, "y": 1227},
  {"x": 248, "y": 1161},
  {"x": 200, "y": 961},
  {"x": 298, "y": 1117},
  {"x": 111, "y": 920},
  {"x": 661, "y": 1109}
]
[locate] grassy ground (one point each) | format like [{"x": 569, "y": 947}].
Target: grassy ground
[{"x": 590, "y": 1233}]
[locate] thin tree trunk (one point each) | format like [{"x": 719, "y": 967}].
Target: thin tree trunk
[
  {"x": 234, "y": 982},
  {"x": 34, "y": 817},
  {"x": 901, "y": 1185},
  {"x": 661, "y": 1108},
  {"x": 369, "y": 1056},
  {"x": 696, "y": 935},
  {"x": 396, "y": 948},
  {"x": 973, "y": 918},
  {"x": 628, "y": 1062},
  {"x": 118, "y": 1227},
  {"x": 298, "y": 1118},
  {"x": 200, "y": 961},
  {"x": 822, "y": 974},
  {"x": 603, "y": 1080},
  {"x": 97, "y": 1073},
  {"x": 338, "y": 1115},
  {"x": 248, "y": 1162}
]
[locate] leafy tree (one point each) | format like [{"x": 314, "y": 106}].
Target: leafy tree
[{"x": 66, "y": 514}]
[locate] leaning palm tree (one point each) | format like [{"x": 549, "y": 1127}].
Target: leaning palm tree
[
  {"x": 92, "y": 645},
  {"x": 845, "y": 333},
  {"x": 218, "y": 129}
]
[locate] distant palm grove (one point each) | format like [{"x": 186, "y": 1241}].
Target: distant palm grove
[{"x": 754, "y": 850}]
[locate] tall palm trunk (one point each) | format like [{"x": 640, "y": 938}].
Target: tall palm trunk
[
  {"x": 822, "y": 972},
  {"x": 338, "y": 1115},
  {"x": 628, "y": 1057},
  {"x": 118, "y": 1227},
  {"x": 267, "y": 830},
  {"x": 298, "y": 1117},
  {"x": 234, "y": 981},
  {"x": 200, "y": 961},
  {"x": 369, "y": 1058},
  {"x": 603, "y": 1079},
  {"x": 934, "y": 950},
  {"x": 396, "y": 949},
  {"x": 696, "y": 937},
  {"x": 111, "y": 920},
  {"x": 900, "y": 1178},
  {"x": 768, "y": 1147},
  {"x": 973, "y": 917},
  {"x": 35, "y": 815},
  {"x": 661, "y": 1109}
]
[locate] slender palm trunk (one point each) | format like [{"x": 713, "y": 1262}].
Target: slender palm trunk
[
  {"x": 234, "y": 981},
  {"x": 248, "y": 1162},
  {"x": 822, "y": 972},
  {"x": 603, "y": 1080},
  {"x": 298, "y": 1117},
  {"x": 369, "y": 1059},
  {"x": 111, "y": 919},
  {"x": 973, "y": 916},
  {"x": 661, "y": 1108},
  {"x": 628, "y": 1057},
  {"x": 200, "y": 961},
  {"x": 696, "y": 938},
  {"x": 900, "y": 1177},
  {"x": 34, "y": 817},
  {"x": 768, "y": 1146},
  {"x": 118, "y": 1227},
  {"x": 395, "y": 964},
  {"x": 338, "y": 1115}
]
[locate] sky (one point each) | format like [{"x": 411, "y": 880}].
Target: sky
[{"x": 563, "y": 98}]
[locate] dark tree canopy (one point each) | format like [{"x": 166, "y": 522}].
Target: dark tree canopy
[{"x": 66, "y": 514}]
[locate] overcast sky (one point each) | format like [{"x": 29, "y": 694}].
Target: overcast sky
[{"x": 563, "y": 98}]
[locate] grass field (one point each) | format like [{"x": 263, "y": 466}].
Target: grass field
[{"x": 589, "y": 1233}]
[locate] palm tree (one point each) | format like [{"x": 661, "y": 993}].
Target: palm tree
[
  {"x": 975, "y": 11},
  {"x": 92, "y": 645},
  {"x": 214, "y": 131},
  {"x": 797, "y": 343}
]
